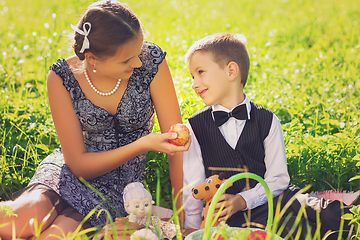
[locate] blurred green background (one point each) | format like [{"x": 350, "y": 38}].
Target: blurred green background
[{"x": 304, "y": 67}]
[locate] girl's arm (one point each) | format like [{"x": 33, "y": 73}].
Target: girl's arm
[
  {"x": 168, "y": 113},
  {"x": 91, "y": 165}
]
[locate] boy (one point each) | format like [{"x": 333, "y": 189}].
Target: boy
[{"x": 248, "y": 136}]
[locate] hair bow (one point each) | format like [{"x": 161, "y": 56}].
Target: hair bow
[{"x": 85, "y": 33}]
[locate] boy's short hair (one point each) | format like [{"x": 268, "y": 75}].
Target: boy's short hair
[{"x": 224, "y": 47}]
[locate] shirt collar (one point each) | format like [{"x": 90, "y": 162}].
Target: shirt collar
[{"x": 246, "y": 101}]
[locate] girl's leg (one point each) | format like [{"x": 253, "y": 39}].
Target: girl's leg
[
  {"x": 66, "y": 222},
  {"x": 33, "y": 204}
]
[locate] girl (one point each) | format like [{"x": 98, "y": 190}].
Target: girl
[{"x": 102, "y": 102}]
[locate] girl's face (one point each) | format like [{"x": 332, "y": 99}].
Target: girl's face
[
  {"x": 210, "y": 81},
  {"x": 122, "y": 64},
  {"x": 139, "y": 207}
]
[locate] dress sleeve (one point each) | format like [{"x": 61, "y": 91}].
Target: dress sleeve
[
  {"x": 151, "y": 56},
  {"x": 61, "y": 68}
]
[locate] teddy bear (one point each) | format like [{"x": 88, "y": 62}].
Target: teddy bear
[{"x": 206, "y": 191}]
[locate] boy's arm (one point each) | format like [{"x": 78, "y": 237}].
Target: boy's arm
[
  {"x": 194, "y": 174},
  {"x": 276, "y": 175}
]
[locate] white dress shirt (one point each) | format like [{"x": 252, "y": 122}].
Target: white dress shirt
[{"x": 276, "y": 174}]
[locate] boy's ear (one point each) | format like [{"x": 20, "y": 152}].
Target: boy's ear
[{"x": 233, "y": 70}]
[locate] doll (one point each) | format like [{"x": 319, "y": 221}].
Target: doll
[{"x": 137, "y": 201}]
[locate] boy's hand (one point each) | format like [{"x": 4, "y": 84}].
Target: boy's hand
[{"x": 232, "y": 204}]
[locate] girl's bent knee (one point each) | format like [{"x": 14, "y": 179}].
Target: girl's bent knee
[{"x": 17, "y": 217}]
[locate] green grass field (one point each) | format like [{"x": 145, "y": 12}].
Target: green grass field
[{"x": 305, "y": 61}]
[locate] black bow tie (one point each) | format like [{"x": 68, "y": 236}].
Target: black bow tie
[{"x": 239, "y": 113}]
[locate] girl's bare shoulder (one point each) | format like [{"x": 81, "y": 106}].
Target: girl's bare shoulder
[{"x": 74, "y": 63}]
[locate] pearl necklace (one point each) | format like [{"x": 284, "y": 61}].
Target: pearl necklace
[{"x": 97, "y": 91}]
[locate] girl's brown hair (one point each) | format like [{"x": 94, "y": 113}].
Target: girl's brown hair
[{"x": 112, "y": 24}]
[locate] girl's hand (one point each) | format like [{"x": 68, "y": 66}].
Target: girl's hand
[
  {"x": 232, "y": 204},
  {"x": 159, "y": 142}
]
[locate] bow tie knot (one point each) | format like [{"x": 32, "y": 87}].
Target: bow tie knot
[{"x": 239, "y": 112}]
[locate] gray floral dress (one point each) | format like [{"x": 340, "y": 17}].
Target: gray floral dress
[{"x": 103, "y": 131}]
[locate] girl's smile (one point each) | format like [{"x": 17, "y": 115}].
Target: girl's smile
[{"x": 130, "y": 71}]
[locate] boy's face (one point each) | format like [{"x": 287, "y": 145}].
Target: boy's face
[{"x": 210, "y": 81}]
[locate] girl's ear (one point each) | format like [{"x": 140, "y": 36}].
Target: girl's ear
[
  {"x": 233, "y": 70},
  {"x": 90, "y": 58}
]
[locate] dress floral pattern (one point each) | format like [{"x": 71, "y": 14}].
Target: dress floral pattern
[{"x": 103, "y": 131}]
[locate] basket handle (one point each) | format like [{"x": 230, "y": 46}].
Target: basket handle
[{"x": 222, "y": 189}]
